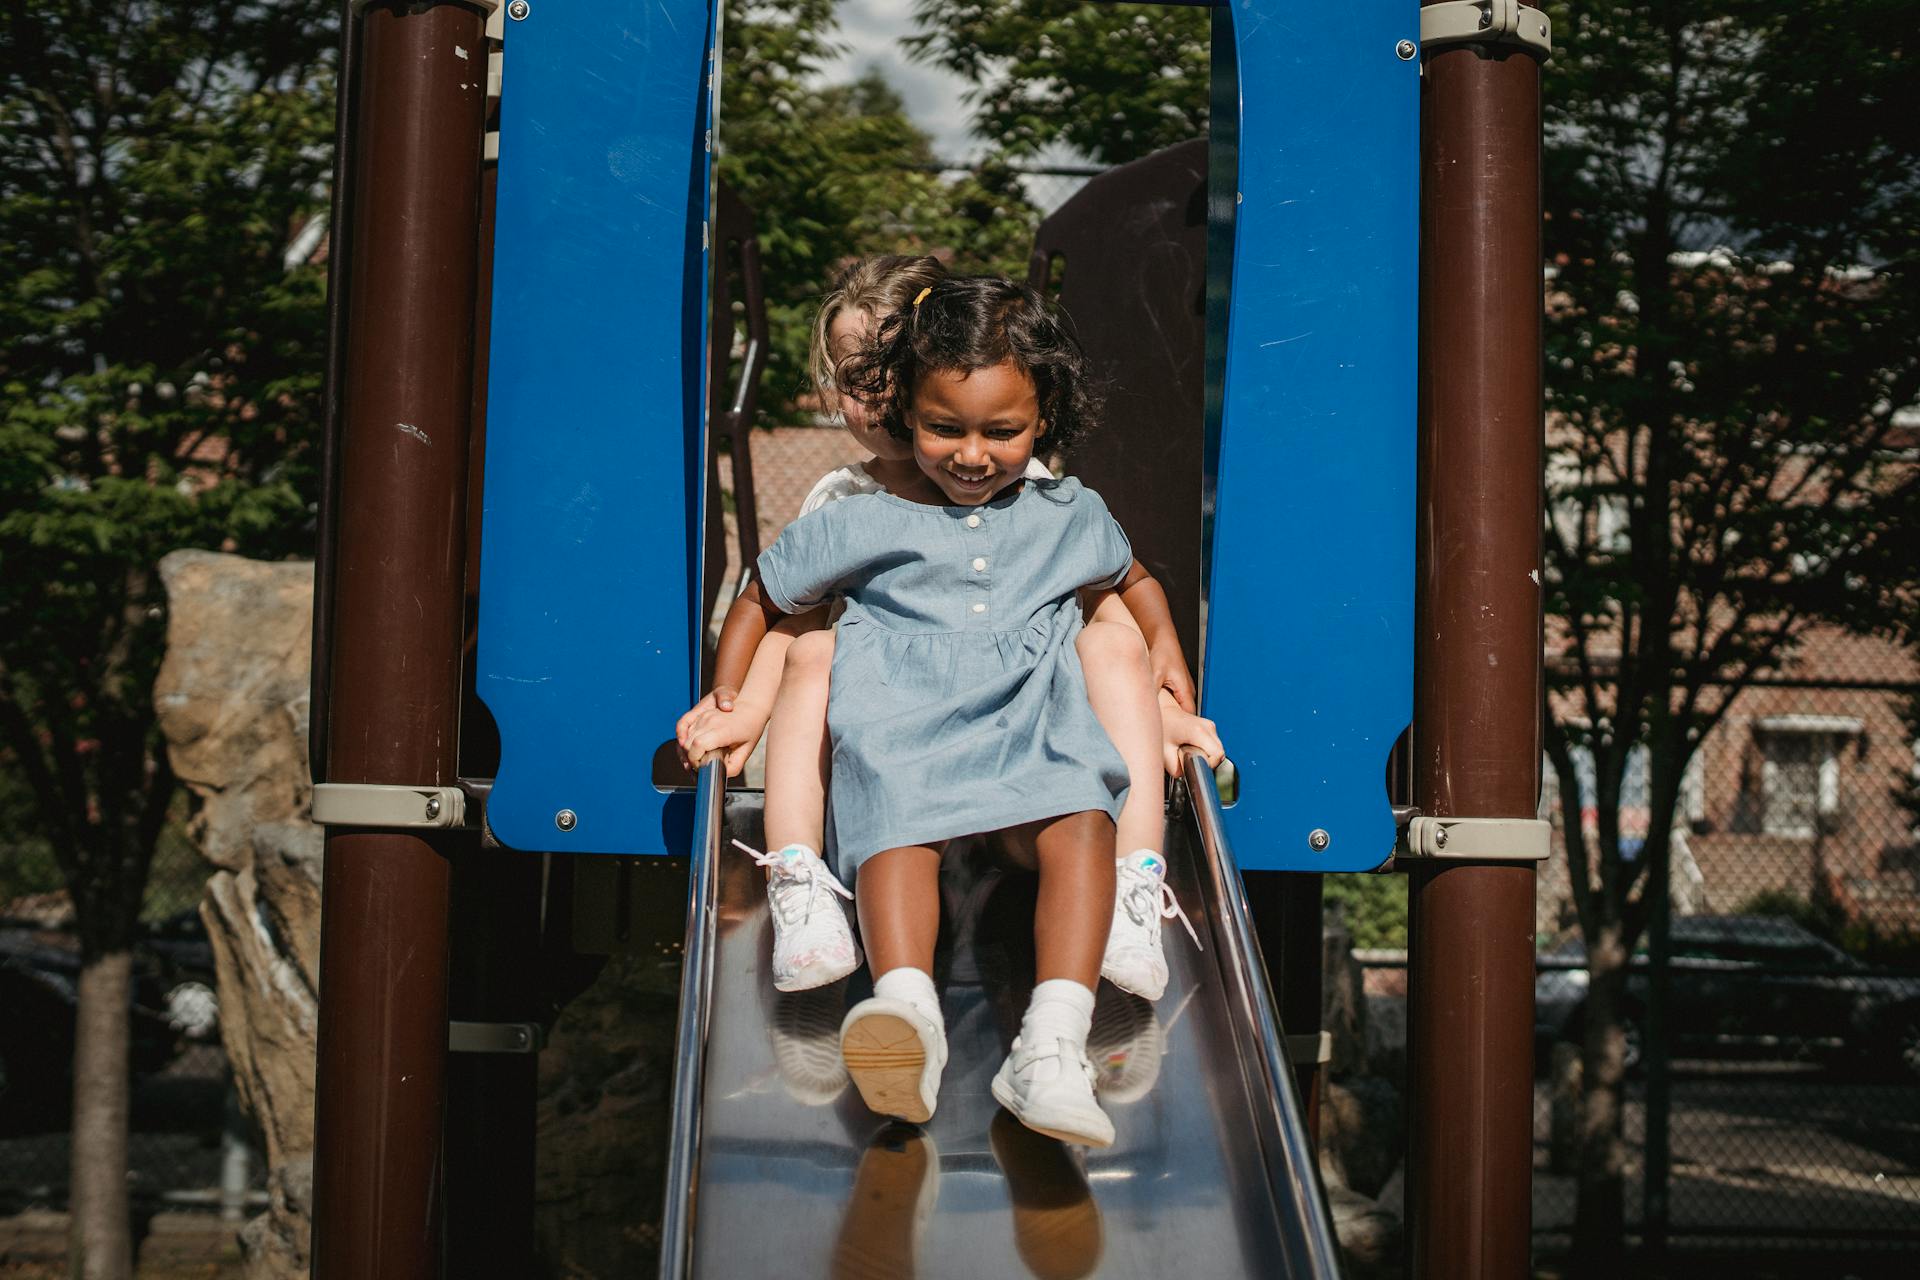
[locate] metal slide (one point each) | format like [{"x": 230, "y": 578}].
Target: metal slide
[{"x": 777, "y": 1169}]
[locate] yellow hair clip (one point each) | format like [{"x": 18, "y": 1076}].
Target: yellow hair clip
[{"x": 921, "y": 297}]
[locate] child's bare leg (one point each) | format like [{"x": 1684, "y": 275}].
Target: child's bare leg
[
  {"x": 1120, "y": 688},
  {"x": 1123, "y": 692},
  {"x": 895, "y": 1044},
  {"x": 812, "y": 943},
  {"x": 899, "y": 905},
  {"x": 1070, "y": 919},
  {"x": 797, "y": 745},
  {"x": 1047, "y": 1080}
]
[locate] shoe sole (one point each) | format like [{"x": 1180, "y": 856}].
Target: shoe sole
[
  {"x": 1004, "y": 1095},
  {"x": 809, "y": 979},
  {"x": 888, "y": 1063},
  {"x": 1145, "y": 991}
]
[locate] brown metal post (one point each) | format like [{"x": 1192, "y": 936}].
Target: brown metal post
[
  {"x": 396, "y": 584},
  {"x": 1476, "y": 716}
]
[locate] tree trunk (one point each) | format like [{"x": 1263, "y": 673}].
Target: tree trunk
[
  {"x": 100, "y": 1246},
  {"x": 1599, "y": 1226}
]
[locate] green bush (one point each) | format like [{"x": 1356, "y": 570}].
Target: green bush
[{"x": 1376, "y": 907}]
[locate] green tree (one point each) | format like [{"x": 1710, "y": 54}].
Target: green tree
[
  {"x": 1113, "y": 82},
  {"x": 835, "y": 172},
  {"x": 160, "y": 359},
  {"x": 1731, "y": 225}
]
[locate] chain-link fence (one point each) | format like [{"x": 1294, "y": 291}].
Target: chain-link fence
[
  {"x": 189, "y": 1145},
  {"x": 1791, "y": 1050}
]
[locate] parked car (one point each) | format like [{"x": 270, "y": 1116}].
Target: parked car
[
  {"x": 172, "y": 1005},
  {"x": 1747, "y": 985}
]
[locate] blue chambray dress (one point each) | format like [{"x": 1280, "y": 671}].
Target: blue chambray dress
[{"x": 957, "y": 704}]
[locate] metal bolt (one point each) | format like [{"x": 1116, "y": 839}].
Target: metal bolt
[
  {"x": 1319, "y": 839},
  {"x": 566, "y": 819},
  {"x": 1406, "y": 48},
  {"x": 433, "y": 807},
  {"x": 1440, "y": 838},
  {"x": 518, "y": 10}
]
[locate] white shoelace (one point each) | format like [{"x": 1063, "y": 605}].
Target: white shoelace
[
  {"x": 809, "y": 871},
  {"x": 1152, "y": 898}
]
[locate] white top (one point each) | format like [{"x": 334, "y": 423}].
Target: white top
[{"x": 844, "y": 482}]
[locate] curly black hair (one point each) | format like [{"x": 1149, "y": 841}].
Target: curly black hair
[{"x": 965, "y": 323}]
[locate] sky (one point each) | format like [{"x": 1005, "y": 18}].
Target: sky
[{"x": 870, "y": 31}]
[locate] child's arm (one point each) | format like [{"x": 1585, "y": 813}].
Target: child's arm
[
  {"x": 746, "y": 673},
  {"x": 1180, "y": 728},
  {"x": 1147, "y": 602}
]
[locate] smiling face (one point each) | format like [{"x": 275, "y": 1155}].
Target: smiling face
[
  {"x": 973, "y": 432},
  {"x": 850, "y": 330}
]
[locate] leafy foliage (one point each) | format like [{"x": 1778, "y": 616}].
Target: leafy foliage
[
  {"x": 1376, "y": 908},
  {"x": 836, "y": 172},
  {"x": 161, "y": 367},
  {"x": 1114, "y": 82},
  {"x": 1726, "y": 467}
]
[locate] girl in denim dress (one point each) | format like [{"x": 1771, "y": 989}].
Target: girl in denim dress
[{"x": 958, "y": 706}]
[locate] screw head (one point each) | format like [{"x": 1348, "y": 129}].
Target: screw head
[
  {"x": 1318, "y": 839},
  {"x": 566, "y": 819},
  {"x": 1440, "y": 838},
  {"x": 519, "y": 10},
  {"x": 433, "y": 807},
  {"x": 1406, "y": 48}
]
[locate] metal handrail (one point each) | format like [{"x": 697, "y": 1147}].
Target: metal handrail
[
  {"x": 1292, "y": 1170},
  {"x": 690, "y": 1036}
]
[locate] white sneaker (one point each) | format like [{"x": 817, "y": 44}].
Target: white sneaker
[
  {"x": 1142, "y": 899},
  {"x": 895, "y": 1052},
  {"x": 1049, "y": 1089},
  {"x": 812, "y": 943}
]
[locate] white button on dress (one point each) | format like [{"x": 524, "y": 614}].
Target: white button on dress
[
  {"x": 979, "y": 563},
  {"x": 979, "y": 608},
  {"x": 973, "y": 522}
]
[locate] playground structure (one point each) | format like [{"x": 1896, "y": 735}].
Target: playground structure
[{"x": 520, "y": 453}]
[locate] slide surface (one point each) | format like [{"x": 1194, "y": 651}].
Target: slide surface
[{"x": 792, "y": 1176}]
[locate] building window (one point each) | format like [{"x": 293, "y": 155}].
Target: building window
[{"x": 1800, "y": 773}]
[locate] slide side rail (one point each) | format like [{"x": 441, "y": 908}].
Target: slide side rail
[
  {"x": 1292, "y": 1170},
  {"x": 690, "y": 1036}
]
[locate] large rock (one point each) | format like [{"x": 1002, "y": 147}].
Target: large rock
[
  {"x": 1369, "y": 1235},
  {"x": 232, "y": 699},
  {"x": 275, "y": 1243}
]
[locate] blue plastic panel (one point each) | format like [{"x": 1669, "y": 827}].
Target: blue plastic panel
[
  {"x": 587, "y": 646},
  {"x": 1309, "y": 626}
]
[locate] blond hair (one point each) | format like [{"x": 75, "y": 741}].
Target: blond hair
[{"x": 879, "y": 286}]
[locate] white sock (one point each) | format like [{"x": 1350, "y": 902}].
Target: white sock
[
  {"x": 1061, "y": 1009},
  {"x": 915, "y": 986}
]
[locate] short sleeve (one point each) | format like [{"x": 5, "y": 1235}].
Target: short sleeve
[
  {"x": 1112, "y": 554},
  {"x": 811, "y": 557}
]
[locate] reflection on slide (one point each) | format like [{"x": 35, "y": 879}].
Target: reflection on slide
[{"x": 780, "y": 1170}]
